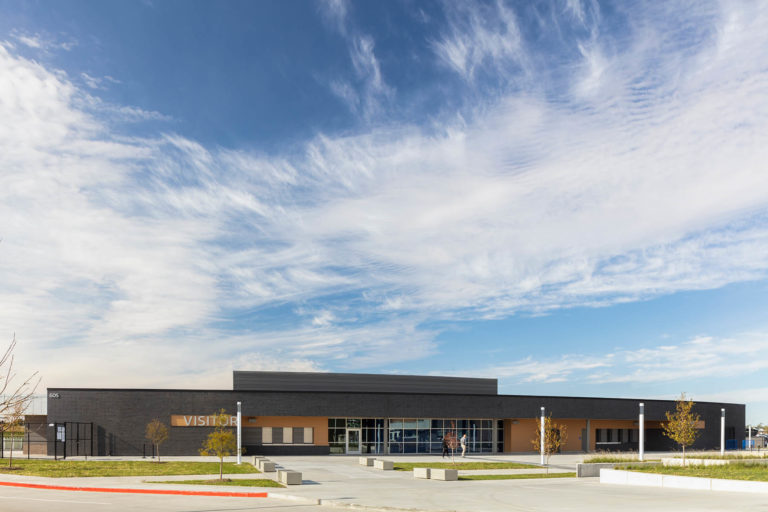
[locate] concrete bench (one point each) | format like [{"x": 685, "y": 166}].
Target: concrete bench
[
  {"x": 366, "y": 461},
  {"x": 266, "y": 466},
  {"x": 255, "y": 459},
  {"x": 420, "y": 472},
  {"x": 383, "y": 464},
  {"x": 289, "y": 477},
  {"x": 444, "y": 474}
]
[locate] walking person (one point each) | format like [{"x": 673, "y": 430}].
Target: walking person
[
  {"x": 463, "y": 444},
  {"x": 445, "y": 446}
]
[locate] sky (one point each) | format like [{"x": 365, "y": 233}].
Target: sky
[{"x": 569, "y": 196}]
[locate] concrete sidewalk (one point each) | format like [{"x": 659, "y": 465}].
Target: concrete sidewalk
[{"x": 341, "y": 482}]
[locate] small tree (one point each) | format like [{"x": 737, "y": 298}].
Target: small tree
[
  {"x": 14, "y": 396},
  {"x": 555, "y": 436},
  {"x": 221, "y": 442},
  {"x": 157, "y": 434},
  {"x": 452, "y": 441},
  {"x": 13, "y": 419},
  {"x": 681, "y": 425}
]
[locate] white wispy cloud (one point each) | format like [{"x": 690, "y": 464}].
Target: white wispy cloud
[
  {"x": 557, "y": 370},
  {"x": 701, "y": 356},
  {"x": 481, "y": 35},
  {"x": 698, "y": 357},
  {"x": 115, "y": 245},
  {"x": 366, "y": 93},
  {"x": 335, "y": 13},
  {"x": 43, "y": 42},
  {"x": 95, "y": 82}
]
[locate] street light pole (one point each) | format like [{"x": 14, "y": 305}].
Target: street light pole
[
  {"x": 542, "y": 436},
  {"x": 722, "y": 431},
  {"x": 641, "y": 450},
  {"x": 239, "y": 434}
]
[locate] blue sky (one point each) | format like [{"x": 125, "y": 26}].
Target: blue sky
[{"x": 569, "y": 196}]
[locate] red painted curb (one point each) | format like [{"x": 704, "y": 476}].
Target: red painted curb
[{"x": 137, "y": 491}]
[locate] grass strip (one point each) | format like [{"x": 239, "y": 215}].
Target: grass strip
[
  {"x": 81, "y": 468},
  {"x": 607, "y": 458},
  {"x": 745, "y": 471},
  {"x": 744, "y": 456},
  {"x": 232, "y": 482},
  {"x": 520, "y": 476},
  {"x": 408, "y": 466}
]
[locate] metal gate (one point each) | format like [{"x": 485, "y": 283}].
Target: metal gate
[{"x": 70, "y": 438}]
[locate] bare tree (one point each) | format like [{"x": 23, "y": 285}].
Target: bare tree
[
  {"x": 14, "y": 396},
  {"x": 11, "y": 422},
  {"x": 453, "y": 442}
]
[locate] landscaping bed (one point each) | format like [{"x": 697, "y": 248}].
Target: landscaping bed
[
  {"x": 80, "y": 468},
  {"x": 743, "y": 471},
  {"x": 236, "y": 482},
  {"x": 408, "y": 466},
  {"x": 519, "y": 476},
  {"x": 603, "y": 459},
  {"x": 729, "y": 456}
]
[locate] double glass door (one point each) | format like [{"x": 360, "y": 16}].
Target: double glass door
[{"x": 353, "y": 440}]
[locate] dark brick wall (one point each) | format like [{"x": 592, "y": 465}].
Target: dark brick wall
[
  {"x": 120, "y": 416},
  {"x": 361, "y": 383}
]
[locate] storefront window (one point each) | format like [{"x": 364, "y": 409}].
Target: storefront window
[{"x": 411, "y": 435}]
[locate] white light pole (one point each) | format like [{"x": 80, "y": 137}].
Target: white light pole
[
  {"x": 239, "y": 434},
  {"x": 641, "y": 447},
  {"x": 722, "y": 431},
  {"x": 542, "y": 436}
]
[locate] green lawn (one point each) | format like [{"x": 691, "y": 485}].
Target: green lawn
[
  {"x": 610, "y": 458},
  {"x": 732, "y": 456},
  {"x": 239, "y": 482},
  {"x": 517, "y": 477},
  {"x": 71, "y": 468},
  {"x": 746, "y": 471},
  {"x": 408, "y": 466}
]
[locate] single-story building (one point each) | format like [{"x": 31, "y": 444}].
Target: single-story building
[{"x": 342, "y": 413}]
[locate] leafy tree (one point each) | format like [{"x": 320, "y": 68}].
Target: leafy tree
[
  {"x": 221, "y": 442},
  {"x": 157, "y": 434},
  {"x": 681, "y": 425},
  {"x": 555, "y": 436}
]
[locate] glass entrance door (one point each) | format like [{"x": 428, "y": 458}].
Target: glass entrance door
[{"x": 353, "y": 440}]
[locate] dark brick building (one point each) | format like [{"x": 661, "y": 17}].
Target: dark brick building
[{"x": 321, "y": 413}]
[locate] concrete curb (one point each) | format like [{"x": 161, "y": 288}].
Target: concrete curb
[
  {"x": 592, "y": 469},
  {"x": 616, "y": 476},
  {"x": 127, "y": 490}
]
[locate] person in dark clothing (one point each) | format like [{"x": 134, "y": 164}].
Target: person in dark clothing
[{"x": 445, "y": 447}]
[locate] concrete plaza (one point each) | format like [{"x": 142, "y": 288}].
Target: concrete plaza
[{"x": 340, "y": 482}]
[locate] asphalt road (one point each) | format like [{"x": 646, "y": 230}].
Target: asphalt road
[{"x": 36, "y": 500}]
